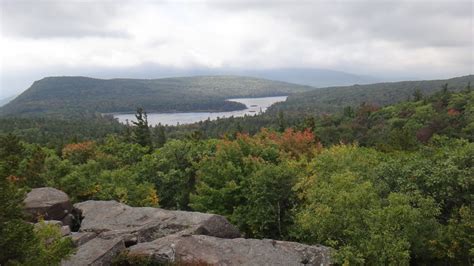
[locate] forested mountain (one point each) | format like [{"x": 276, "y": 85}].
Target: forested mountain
[
  {"x": 331, "y": 99},
  {"x": 73, "y": 96},
  {"x": 445, "y": 111}
]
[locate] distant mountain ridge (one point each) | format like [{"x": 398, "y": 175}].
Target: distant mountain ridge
[
  {"x": 312, "y": 77},
  {"x": 316, "y": 77},
  {"x": 75, "y": 95},
  {"x": 332, "y": 99}
]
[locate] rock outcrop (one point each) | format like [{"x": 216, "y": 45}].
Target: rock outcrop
[
  {"x": 49, "y": 204},
  {"x": 109, "y": 228},
  {"x": 97, "y": 251},
  {"x": 112, "y": 219},
  {"x": 208, "y": 250},
  {"x": 112, "y": 226}
]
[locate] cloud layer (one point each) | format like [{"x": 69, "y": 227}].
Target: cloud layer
[{"x": 423, "y": 39}]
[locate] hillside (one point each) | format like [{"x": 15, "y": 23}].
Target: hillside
[
  {"x": 79, "y": 95},
  {"x": 5, "y": 100},
  {"x": 333, "y": 99}
]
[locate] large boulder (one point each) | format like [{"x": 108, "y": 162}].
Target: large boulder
[
  {"x": 111, "y": 219},
  {"x": 97, "y": 251},
  {"x": 208, "y": 250},
  {"x": 47, "y": 203}
]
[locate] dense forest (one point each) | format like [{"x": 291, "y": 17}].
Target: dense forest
[
  {"x": 82, "y": 96},
  {"x": 332, "y": 106},
  {"x": 326, "y": 100},
  {"x": 381, "y": 184}
]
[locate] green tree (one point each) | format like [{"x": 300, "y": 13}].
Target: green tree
[
  {"x": 281, "y": 121},
  {"x": 456, "y": 244},
  {"x": 173, "y": 170},
  {"x": 271, "y": 196},
  {"x": 51, "y": 246},
  {"x": 417, "y": 95},
  {"x": 468, "y": 87},
  {"x": 141, "y": 130},
  {"x": 160, "y": 136},
  {"x": 348, "y": 214},
  {"x": 17, "y": 240},
  {"x": 11, "y": 152},
  {"x": 19, "y": 243},
  {"x": 250, "y": 180}
]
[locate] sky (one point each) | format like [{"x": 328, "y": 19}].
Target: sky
[{"x": 422, "y": 39}]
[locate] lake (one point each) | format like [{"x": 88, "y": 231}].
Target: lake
[{"x": 254, "y": 106}]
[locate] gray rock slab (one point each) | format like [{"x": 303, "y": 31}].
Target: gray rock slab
[
  {"x": 96, "y": 252},
  {"x": 80, "y": 238},
  {"x": 112, "y": 219},
  {"x": 208, "y": 250}
]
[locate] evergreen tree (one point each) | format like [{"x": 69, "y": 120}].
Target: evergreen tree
[
  {"x": 127, "y": 132},
  {"x": 17, "y": 239},
  {"x": 445, "y": 95},
  {"x": 444, "y": 88},
  {"x": 348, "y": 112},
  {"x": 160, "y": 135},
  {"x": 141, "y": 130},
  {"x": 281, "y": 121},
  {"x": 417, "y": 95},
  {"x": 310, "y": 123}
]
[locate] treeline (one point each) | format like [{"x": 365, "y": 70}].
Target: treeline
[
  {"x": 335, "y": 99},
  {"x": 399, "y": 126},
  {"x": 57, "y": 132}
]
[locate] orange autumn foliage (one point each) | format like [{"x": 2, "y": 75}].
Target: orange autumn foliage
[
  {"x": 79, "y": 152},
  {"x": 296, "y": 143}
]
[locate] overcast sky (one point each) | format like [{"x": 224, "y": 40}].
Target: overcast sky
[{"x": 423, "y": 39}]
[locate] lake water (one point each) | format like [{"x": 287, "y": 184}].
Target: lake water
[{"x": 254, "y": 106}]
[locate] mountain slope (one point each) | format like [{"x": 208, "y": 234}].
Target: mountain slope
[
  {"x": 332, "y": 99},
  {"x": 6, "y": 100},
  {"x": 73, "y": 95}
]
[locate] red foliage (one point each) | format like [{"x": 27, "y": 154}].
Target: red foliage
[
  {"x": 297, "y": 142},
  {"x": 424, "y": 134},
  {"x": 453, "y": 112}
]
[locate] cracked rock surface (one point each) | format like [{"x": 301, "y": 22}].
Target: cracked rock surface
[
  {"x": 208, "y": 250},
  {"x": 110, "y": 228}
]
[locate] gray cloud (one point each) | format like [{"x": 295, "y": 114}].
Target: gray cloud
[
  {"x": 411, "y": 23},
  {"x": 49, "y": 19},
  {"x": 416, "y": 38}
]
